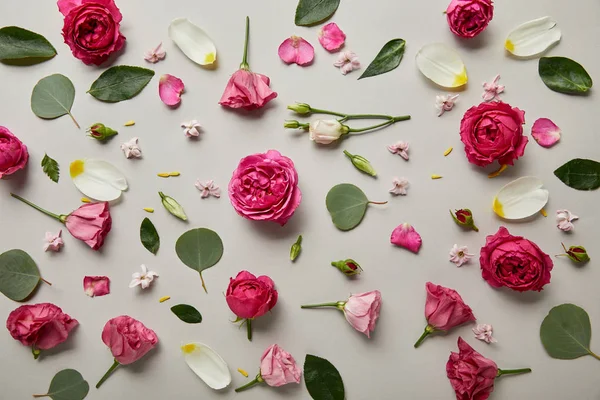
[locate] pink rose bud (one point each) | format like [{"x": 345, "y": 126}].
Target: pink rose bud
[
  {"x": 96, "y": 285},
  {"x": 101, "y": 132},
  {"x": 331, "y": 37},
  {"x": 406, "y": 236},
  {"x": 468, "y": 18},
  {"x": 576, "y": 253},
  {"x": 13, "y": 153},
  {"x": 277, "y": 368},
  {"x": 300, "y": 108},
  {"x": 90, "y": 223},
  {"x": 348, "y": 267},
  {"x": 464, "y": 218}
]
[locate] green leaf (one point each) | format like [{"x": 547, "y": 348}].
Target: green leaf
[
  {"x": 187, "y": 313},
  {"x": 20, "y": 44},
  {"x": 311, "y": 12},
  {"x": 387, "y": 59},
  {"x": 50, "y": 168},
  {"x": 566, "y": 332},
  {"x": 322, "y": 379},
  {"x": 580, "y": 174},
  {"x": 67, "y": 384},
  {"x": 347, "y": 205},
  {"x": 53, "y": 97},
  {"x": 120, "y": 83},
  {"x": 564, "y": 75},
  {"x": 19, "y": 275},
  {"x": 199, "y": 249},
  {"x": 149, "y": 236}
]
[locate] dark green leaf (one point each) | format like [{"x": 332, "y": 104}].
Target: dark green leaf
[
  {"x": 566, "y": 332},
  {"x": 387, "y": 59},
  {"x": 53, "y": 97},
  {"x": 19, "y": 275},
  {"x": 68, "y": 384},
  {"x": 323, "y": 381},
  {"x": 120, "y": 83},
  {"x": 564, "y": 75},
  {"x": 199, "y": 249},
  {"x": 311, "y": 12},
  {"x": 580, "y": 174},
  {"x": 149, "y": 236},
  {"x": 347, "y": 205},
  {"x": 19, "y": 44},
  {"x": 187, "y": 313},
  {"x": 50, "y": 168}
]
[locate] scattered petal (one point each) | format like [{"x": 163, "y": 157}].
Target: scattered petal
[
  {"x": 98, "y": 179},
  {"x": 492, "y": 90},
  {"x": 155, "y": 55},
  {"x": 448, "y": 151},
  {"x": 434, "y": 176},
  {"x": 296, "y": 50},
  {"x": 96, "y": 285},
  {"x": 164, "y": 298},
  {"x": 129, "y": 123},
  {"x": 207, "y": 364},
  {"x": 543, "y": 212},
  {"x": 208, "y": 188},
  {"x": 191, "y": 128},
  {"x": 484, "y": 332},
  {"x": 85, "y": 200},
  {"x": 241, "y": 371},
  {"x": 175, "y": 173},
  {"x": 53, "y": 242},
  {"x": 148, "y": 209},
  {"x": 169, "y": 89},
  {"x": 533, "y": 38},
  {"x": 545, "y": 132},
  {"x": 445, "y": 103},
  {"x": 144, "y": 279},
  {"x": 521, "y": 198},
  {"x": 406, "y": 236},
  {"x": 442, "y": 65},
  {"x": 564, "y": 220},
  {"x": 400, "y": 148},
  {"x": 131, "y": 148},
  {"x": 193, "y": 41},
  {"x": 331, "y": 37},
  {"x": 347, "y": 62},
  {"x": 460, "y": 255},
  {"x": 400, "y": 185}
]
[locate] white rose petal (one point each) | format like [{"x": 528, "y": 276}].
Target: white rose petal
[
  {"x": 207, "y": 364},
  {"x": 533, "y": 38},
  {"x": 442, "y": 65},
  {"x": 521, "y": 198}
]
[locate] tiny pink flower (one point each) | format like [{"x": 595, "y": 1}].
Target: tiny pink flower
[
  {"x": 445, "y": 103},
  {"x": 169, "y": 89},
  {"x": 347, "y": 62},
  {"x": 492, "y": 90},
  {"x": 155, "y": 55},
  {"x": 400, "y": 185},
  {"x": 53, "y": 242},
  {"x": 131, "y": 148},
  {"x": 400, "y": 148},
  {"x": 545, "y": 132},
  {"x": 460, "y": 255},
  {"x": 484, "y": 332},
  {"x": 191, "y": 128},
  {"x": 564, "y": 220},
  {"x": 296, "y": 50},
  {"x": 144, "y": 279},
  {"x": 96, "y": 285},
  {"x": 331, "y": 37},
  {"x": 208, "y": 188},
  {"x": 406, "y": 236}
]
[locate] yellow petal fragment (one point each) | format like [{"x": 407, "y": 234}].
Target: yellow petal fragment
[
  {"x": 543, "y": 212},
  {"x": 448, "y": 151},
  {"x": 436, "y": 176},
  {"x": 188, "y": 348},
  {"x": 508, "y": 45},
  {"x": 76, "y": 168},
  {"x": 241, "y": 371},
  {"x": 85, "y": 200},
  {"x": 210, "y": 58},
  {"x": 164, "y": 298},
  {"x": 461, "y": 79},
  {"x": 148, "y": 209},
  {"x": 498, "y": 208},
  {"x": 130, "y": 123},
  {"x": 164, "y": 174},
  {"x": 174, "y": 173},
  {"x": 498, "y": 171}
]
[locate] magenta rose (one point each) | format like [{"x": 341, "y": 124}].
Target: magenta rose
[
  {"x": 514, "y": 262},
  {"x": 91, "y": 29},
  {"x": 250, "y": 297},
  {"x": 468, "y": 18},
  {"x": 471, "y": 374},
  {"x": 13, "y": 153},
  {"x": 493, "y": 131},
  {"x": 264, "y": 187}
]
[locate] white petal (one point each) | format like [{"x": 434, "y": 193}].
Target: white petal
[
  {"x": 193, "y": 41},
  {"x": 98, "y": 179},
  {"x": 207, "y": 364},
  {"x": 533, "y": 38},
  {"x": 442, "y": 65},
  {"x": 521, "y": 198}
]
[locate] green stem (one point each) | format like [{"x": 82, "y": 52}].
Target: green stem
[
  {"x": 61, "y": 218},
  {"x": 428, "y": 331},
  {"x": 107, "y": 374},
  {"x": 244, "y": 64},
  {"x": 383, "y": 124},
  {"x": 513, "y": 371},
  {"x": 337, "y": 304},
  {"x": 369, "y": 116},
  {"x": 203, "y": 285},
  {"x": 319, "y": 111},
  {"x": 73, "y": 118},
  {"x": 348, "y": 154},
  {"x": 377, "y": 202},
  {"x": 249, "y": 329},
  {"x": 36, "y": 352},
  {"x": 253, "y": 382},
  {"x": 594, "y": 355},
  {"x": 476, "y": 229},
  {"x": 45, "y": 281},
  {"x": 40, "y": 395}
]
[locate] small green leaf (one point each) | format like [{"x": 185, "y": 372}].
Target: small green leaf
[
  {"x": 347, "y": 205},
  {"x": 20, "y": 44},
  {"x": 19, "y": 275},
  {"x": 322, "y": 379},
  {"x": 187, "y": 313},
  {"x": 50, "y": 168},
  {"x": 120, "y": 83},
  {"x": 53, "y": 97},
  {"x": 67, "y": 384},
  {"x": 564, "y": 75},
  {"x": 387, "y": 59},
  {"x": 199, "y": 249},
  {"x": 566, "y": 332},
  {"x": 580, "y": 174},
  {"x": 149, "y": 236},
  {"x": 311, "y": 12}
]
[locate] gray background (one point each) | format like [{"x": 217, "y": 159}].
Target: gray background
[{"x": 384, "y": 367}]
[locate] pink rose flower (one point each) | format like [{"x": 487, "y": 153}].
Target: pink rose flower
[
  {"x": 278, "y": 367},
  {"x": 96, "y": 285},
  {"x": 128, "y": 339},
  {"x": 468, "y": 18},
  {"x": 90, "y": 223},
  {"x": 471, "y": 374},
  {"x": 493, "y": 131},
  {"x": 250, "y": 297},
  {"x": 362, "y": 310},
  {"x": 247, "y": 90},
  {"x": 514, "y": 262},
  {"x": 331, "y": 37},
  {"x": 41, "y": 326},
  {"x": 264, "y": 187},
  {"x": 91, "y": 29},
  {"x": 13, "y": 153}
]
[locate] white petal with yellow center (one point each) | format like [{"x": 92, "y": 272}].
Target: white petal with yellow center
[
  {"x": 193, "y": 41},
  {"x": 442, "y": 64},
  {"x": 98, "y": 179},
  {"x": 521, "y": 198},
  {"x": 207, "y": 364},
  {"x": 533, "y": 38}
]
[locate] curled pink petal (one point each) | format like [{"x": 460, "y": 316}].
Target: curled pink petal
[
  {"x": 169, "y": 89},
  {"x": 406, "y": 236},
  {"x": 96, "y": 285},
  {"x": 331, "y": 37},
  {"x": 545, "y": 132},
  {"x": 296, "y": 50}
]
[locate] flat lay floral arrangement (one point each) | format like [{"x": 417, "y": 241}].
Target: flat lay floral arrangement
[{"x": 267, "y": 191}]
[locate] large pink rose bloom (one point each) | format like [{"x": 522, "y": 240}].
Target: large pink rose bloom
[
  {"x": 264, "y": 187},
  {"x": 471, "y": 374},
  {"x": 91, "y": 29},
  {"x": 278, "y": 367},
  {"x": 128, "y": 339},
  {"x": 362, "y": 311},
  {"x": 90, "y": 223},
  {"x": 13, "y": 153},
  {"x": 250, "y": 297},
  {"x": 468, "y": 18},
  {"x": 445, "y": 309},
  {"x": 247, "y": 90},
  {"x": 493, "y": 131},
  {"x": 514, "y": 262}
]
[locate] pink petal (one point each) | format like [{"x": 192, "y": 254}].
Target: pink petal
[
  {"x": 169, "y": 89},
  {"x": 296, "y": 50},
  {"x": 96, "y": 285},
  {"x": 331, "y": 37},
  {"x": 545, "y": 132},
  {"x": 406, "y": 236}
]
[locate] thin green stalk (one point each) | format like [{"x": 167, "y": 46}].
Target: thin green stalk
[
  {"x": 249, "y": 329},
  {"x": 502, "y": 372},
  {"x": 253, "y": 382},
  {"x": 369, "y": 116},
  {"x": 594, "y": 355},
  {"x": 383, "y": 124},
  {"x": 336, "y": 304},
  {"x": 244, "y": 64},
  {"x": 428, "y": 331},
  {"x": 61, "y": 218},
  {"x": 108, "y": 373},
  {"x": 319, "y": 111}
]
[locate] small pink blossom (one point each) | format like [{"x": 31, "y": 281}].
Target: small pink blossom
[
  {"x": 169, "y": 89},
  {"x": 484, "y": 332},
  {"x": 208, "y": 188},
  {"x": 296, "y": 50},
  {"x": 400, "y": 185},
  {"x": 445, "y": 103},
  {"x": 460, "y": 255},
  {"x": 347, "y": 62},
  {"x": 155, "y": 55},
  {"x": 96, "y": 285},
  {"x": 144, "y": 279},
  {"x": 406, "y": 236},
  {"x": 331, "y": 37},
  {"x": 400, "y": 148},
  {"x": 564, "y": 220},
  {"x": 53, "y": 242},
  {"x": 191, "y": 128},
  {"x": 131, "y": 148},
  {"x": 492, "y": 90},
  {"x": 545, "y": 132}
]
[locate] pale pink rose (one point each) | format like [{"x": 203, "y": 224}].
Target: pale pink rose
[
  {"x": 331, "y": 37},
  {"x": 13, "y": 153},
  {"x": 545, "y": 132},
  {"x": 278, "y": 367},
  {"x": 296, "y": 50},
  {"x": 406, "y": 236},
  {"x": 128, "y": 339},
  {"x": 247, "y": 90},
  {"x": 468, "y": 18},
  {"x": 90, "y": 223},
  {"x": 96, "y": 285},
  {"x": 445, "y": 309},
  {"x": 362, "y": 310},
  {"x": 169, "y": 89}
]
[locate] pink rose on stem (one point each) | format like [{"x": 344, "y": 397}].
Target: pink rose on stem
[
  {"x": 246, "y": 89},
  {"x": 13, "y": 153},
  {"x": 128, "y": 340},
  {"x": 91, "y": 29},
  {"x": 41, "y": 326},
  {"x": 90, "y": 223},
  {"x": 468, "y": 18},
  {"x": 444, "y": 309},
  {"x": 250, "y": 297},
  {"x": 472, "y": 375},
  {"x": 277, "y": 368},
  {"x": 361, "y": 310}
]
